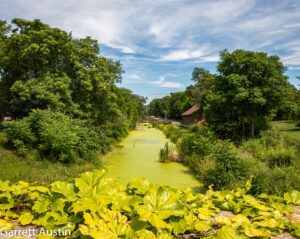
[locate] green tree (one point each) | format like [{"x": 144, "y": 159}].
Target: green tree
[
  {"x": 45, "y": 68},
  {"x": 250, "y": 88}
]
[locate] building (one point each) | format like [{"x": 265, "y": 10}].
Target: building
[{"x": 192, "y": 116}]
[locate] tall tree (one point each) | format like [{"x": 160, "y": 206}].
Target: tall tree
[
  {"x": 45, "y": 68},
  {"x": 246, "y": 94}
]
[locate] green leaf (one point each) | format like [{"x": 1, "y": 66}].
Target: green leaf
[
  {"x": 251, "y": 231},
  {"x": 223, "y": 220},
  {"x": 85, "y": 204},
  {"x": 269, "y": 223},
  {"x": 202, "y": 226},
  {"x": 64, "y": 188},
  {"x": 106, "y": 224},
  {"x": 227, "y": 232},
  {"x": 292, "y": 197},
  {"x": 137, "y": 224},
  {"x": 41, "y": 205},
  {"x": 88, "y": 183},
  {"x": 255, "y": 203},
  {"x": 140, "y": 185},
  {"x": 164, "y": 202},
  {"x": 26, "y": 218},
  {"x": 5, "y": 225},
  {"x": 152, "y": 218}
]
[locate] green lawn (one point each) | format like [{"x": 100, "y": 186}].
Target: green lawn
[
  {"x": 289, "y": 128},
  {"x": 15, "y": 168}
]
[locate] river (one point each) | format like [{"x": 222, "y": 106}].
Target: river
[{"x": 138, "y": 156}]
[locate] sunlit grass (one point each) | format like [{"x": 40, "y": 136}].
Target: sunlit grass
[
  {"x": 17, "y": 168},
  {"x": 289, "y": 128}
]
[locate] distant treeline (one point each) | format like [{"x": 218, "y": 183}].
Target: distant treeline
[{"x": 248, "y": 91}]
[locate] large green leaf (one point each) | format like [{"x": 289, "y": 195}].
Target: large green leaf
[
  {"x": 64, "y": 188},
  {"x": 227, "y": 232},
  {"x": 89, "y": 184},
  {"x": 26, "y": 218},
  {"x": 292, "y": 197},
  {"x": 163, "y": 201},
  {"x": 106, "y": 224}
]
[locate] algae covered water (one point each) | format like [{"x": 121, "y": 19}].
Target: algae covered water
[{"x": 138, "y": 156}]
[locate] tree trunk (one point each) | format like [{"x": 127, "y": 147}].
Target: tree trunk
[{"x": 252, "y": 130}]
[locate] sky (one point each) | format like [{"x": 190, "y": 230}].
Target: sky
[{"x": 159, "y": 42}]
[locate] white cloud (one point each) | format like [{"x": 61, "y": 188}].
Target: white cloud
[
  {"x": 182, "y": 55},
  {"x": 132, "y": 78},
  {"x": 185, "y": 30},
  {"x": 161, "y": 82}
]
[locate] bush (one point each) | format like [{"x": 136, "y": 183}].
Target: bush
[
  {"x": 199, "y": 141},
  {"x": 55, "y": 136},
  {"x": 274, "y": 181},
  {"x": 269, "y": 158},
  {"x": 3, "y": 138},
  {"x": 253, "y": 147},
  {"x": 228, "y": 167},
  {"x": 280, "y": 157}
]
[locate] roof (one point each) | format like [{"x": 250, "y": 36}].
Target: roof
[{"x": 190, "y": 111}]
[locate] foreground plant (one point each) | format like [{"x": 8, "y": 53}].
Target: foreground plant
[{"x": 94, "y": 206}]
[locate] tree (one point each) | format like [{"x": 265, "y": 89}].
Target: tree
[
  {"x": 178, "y": 103},
  {"x": 203, "y": 84},
  {"x": 45, "y": 68},
  {"x": 246, "y": 94},
  {"x": 170, "y": 106}
]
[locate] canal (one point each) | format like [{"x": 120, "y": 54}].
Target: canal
[{"x": 138, "y": 156}]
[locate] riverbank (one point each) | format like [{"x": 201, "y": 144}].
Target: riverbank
[{"x": 138, "y": 156}]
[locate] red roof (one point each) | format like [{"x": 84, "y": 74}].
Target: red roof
[{"x": 190, "y": 111}]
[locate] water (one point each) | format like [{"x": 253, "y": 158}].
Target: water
[{"x": 138, "y": 156}]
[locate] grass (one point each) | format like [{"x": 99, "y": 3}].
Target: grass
[
  {"x": 17, "y": 168},
  {"x": 289, "y": 128}
]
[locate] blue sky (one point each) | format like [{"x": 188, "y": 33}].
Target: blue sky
[{"x": 159, "y": 42}]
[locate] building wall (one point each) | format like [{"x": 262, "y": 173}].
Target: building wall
[{"x": 191, "y": 119}]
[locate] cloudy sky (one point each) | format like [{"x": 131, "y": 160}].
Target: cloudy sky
[{"x": 159, "y": 42}]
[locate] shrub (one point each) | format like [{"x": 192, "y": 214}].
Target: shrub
[
  {"x": 55, "y": 136},
  {"x": 3, "y": 138},
  {"x": 202, "y": 168},
  {"x": 228, "y": 167},
  {"x": 275, "y": 181},
  {"x": 280, "y": 157},
  {"x": 273, "y": 137},
  {"x": 20, "y": 131},
  {"x": 199, "y": 141},
  {"x": 254, "y": 147}
]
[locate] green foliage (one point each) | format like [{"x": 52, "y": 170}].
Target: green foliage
[
  {"x": 222, "y": 164},
  {"x": 45, "y": 68},
  {"x": 274, "y": 181},
  {"x": 280, "y": 157},
  {"x": 171, "y": 106},
  {"x": 250, "y": 88},
  {"x": 229, "y": 168},
  {"x": 94, "y": 206},
  {"x": 55, "y": 136},
  {"x": 32, "y": 169},
  {"x": 168, "y": 153}
]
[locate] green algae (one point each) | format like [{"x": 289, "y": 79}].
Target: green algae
[{"x": 138, "y": 156}]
